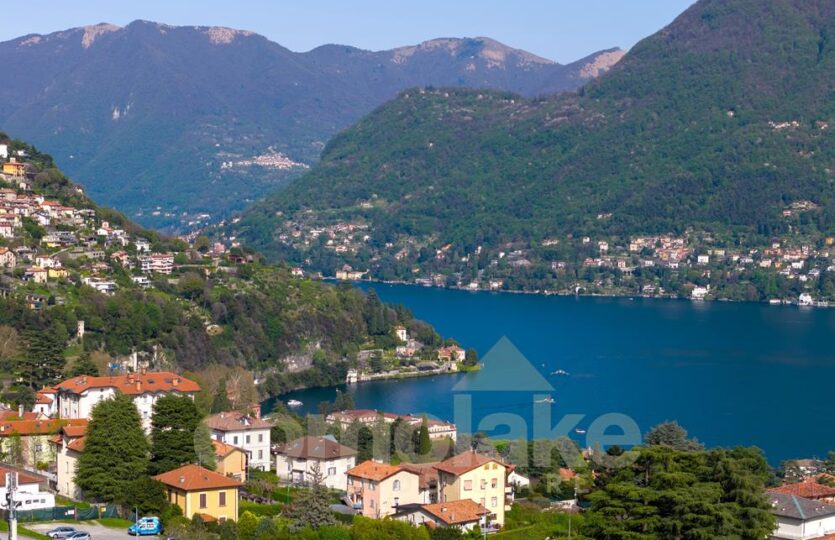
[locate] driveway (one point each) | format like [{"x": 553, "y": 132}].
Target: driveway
[{"x": 97, "y": 532}]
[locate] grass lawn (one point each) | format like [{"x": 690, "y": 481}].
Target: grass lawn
[
  {"x": 260, "y": 509},
  {"x": 115, "y": 522},
  {"x": 23, "y": 531}
]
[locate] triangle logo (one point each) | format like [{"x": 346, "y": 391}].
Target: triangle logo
[{"x": 505, "y": 370}]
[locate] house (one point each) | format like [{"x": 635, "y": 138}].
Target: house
[
  {"x": 699, "y": 293},
  {"x": 401, "y": 333},
  {"x": 46, "y": 402},
  {"x": 808, "y": 488},
  {"x": 197, "y": 490},
  {"x": 428, "y": 481},
  {"x": 474, "y": 476},
  {"x": 30, "y": 439},
  {"x": 7, "y": 258},
  {"x": 36, "y": 274},
  {"x": 464, "y": 514},
  {"x": 376, "y": 490},
  {"x": 295, "y": 460},
  {"x": 801, "y": 519},
  {"x": 28, "y": 495},
  {"x": 69, "y": 444},
  {"x": 57, "y": 273},
  {"x": 78, "y": 396},
  {"x": 159, "y": 263},
  {"x": 230, "y": 460},
  {"x": 142, "y": 245},
  {"x": 453, "y": 353},
  {"x": 14, "y": 168},
  {"x": 247, "y": 432},
  {"x": 438, "y": 429}
]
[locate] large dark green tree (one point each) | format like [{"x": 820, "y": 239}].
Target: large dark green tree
[
  {"x": 42, "y": 361},
  {"x": 671, "y": 434},
  {"x": 115, "y": 453},
  {"x": 312, "y": 508},
  {"x": 84, "y": 365},
  {"x": 175, "y": 435}
]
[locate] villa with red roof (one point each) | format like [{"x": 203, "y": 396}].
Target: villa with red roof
[
  {"x": 376, "y": 490},
  {"x": 78, "y": 396}
]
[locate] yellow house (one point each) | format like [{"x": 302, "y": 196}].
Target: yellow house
[
  {"x": 197, "y": 490},
  {"x": 57, "y": 273},
  {"x": 230, "y": 460},
  {"x": 14, "y": 168},
  {"x": 473, "y": 476}
]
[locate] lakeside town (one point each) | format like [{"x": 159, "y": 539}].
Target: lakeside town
[{"x": 796, "y": 268}]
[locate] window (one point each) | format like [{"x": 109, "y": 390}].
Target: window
[
  {"x": 203, "y": 500},
  {"x": 493, "y": 502},
  {"x": 468, "y": 485},
  {"x": 483, "y": 483},
  {"x": 247, "y": 439},
  {"x": 235, "y": 440},
  {"x": 289, "y": 465},
  {"x": 396, "y": 486},
  {"x": 396, "y": 501},
  {"x": 372, "y": 486},
  {"x": 371, "y": 503},
  {"x": 494, "y": 482},
  {"x": 222, "y": 498},
  {"x": 260, "y": 437},
  {"x": 331, "y": 471},
  {"x": 260, "y": 454}
]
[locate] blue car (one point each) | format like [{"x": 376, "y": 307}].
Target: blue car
[{"x": 146, "y": 526}]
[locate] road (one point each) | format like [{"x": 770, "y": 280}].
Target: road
[{"x": 97, "y": 532}]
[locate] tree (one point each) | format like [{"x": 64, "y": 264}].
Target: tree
[
  {"x": 84, "y": 365},
  {"x": 42, "y": 361},
  {"x": 148, "y": 496},
  {"x": 221, "y": 402},
  {"x": 344, "y": 401},
  {"x": 672, "y": 435},
  {"x": 424, "y": 443},
  {"x": 175, "y": 434},
  {"x": 14, "y": 452},
  {"x": 471, "y": 357},
  {"x": 312, "y": 508},
  {"x": 203, "y": 447},
  {"x": 115, "y": 453}
]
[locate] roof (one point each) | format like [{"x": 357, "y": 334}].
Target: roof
[
  {"x": 37, "y": 427},
  {"x": 22, "y": 478},
  {"x": 196, "y": 478},
  {"x": 808, "y": 489},
  {"x": 222, "y": 449},
  {"x": 235, "y": 421},
  {"x": 132, "y": 384},
  {"x": 73, "y": 431},
  {"x": 792, "y": 506},
  {"x": 77, "y": 444},
  {"x": 465, "y": 462},
  {"x": 371, "y": 470},
  {"x": 315, "y": 447},
  {"x": 427, "y": 472},
  {"x": 42, "y": 399},
  {"x": 456, "y": 512},
  {"x": 13, "y": 415}
]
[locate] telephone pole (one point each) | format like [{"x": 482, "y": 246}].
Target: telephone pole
[{"x": 11, "y": 489}]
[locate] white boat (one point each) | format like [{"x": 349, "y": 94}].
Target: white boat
[
  {"x": 559, "y": 372},
  {"x": 546, "y": 399},
  {"x": 580, "y": 431},
  {"x": 294, "y": 403}
]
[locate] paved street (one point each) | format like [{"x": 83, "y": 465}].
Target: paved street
[{"x": 98, "y": 532}]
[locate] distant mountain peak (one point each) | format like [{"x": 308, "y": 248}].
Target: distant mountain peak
[{"x": 493, "y": 52}]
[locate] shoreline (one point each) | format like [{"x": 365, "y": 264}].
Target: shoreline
[{"x": 770, "y": 302}]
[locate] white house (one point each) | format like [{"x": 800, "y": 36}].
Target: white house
[
  {"x": 78, "y": 396},
  {"x": 245, "y": 431},
  {"x": 462, "y": 514},
  {"x": 295, "y": 460},
  {"x": 801, "y": 519},
  {"x": 28, "y": 494},
  {"x": 70, "y": 444}
]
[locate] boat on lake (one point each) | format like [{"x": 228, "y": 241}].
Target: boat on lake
[{"x": 294, "y": 403}]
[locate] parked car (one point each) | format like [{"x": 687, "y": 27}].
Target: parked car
[
  {"x": 149, "y": 525},
  {"x": 78, "y": 535},
  {"x": 61, "y": 532}
]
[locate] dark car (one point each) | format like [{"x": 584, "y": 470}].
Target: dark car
[{"x": 61, "y": 532}]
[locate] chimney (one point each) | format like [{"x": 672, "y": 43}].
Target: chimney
[
  {"x": 175, "y": 382},
  {"x": 144, "y": 370},
  {"x": 138, "y": 386},
  {"x": 182, "y": 479},
  {"x": 255, "y": 410},
  {"x": 20, "y": 411}
]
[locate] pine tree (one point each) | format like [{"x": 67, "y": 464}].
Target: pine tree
[
  {"x": 84, "y": 365},
  {"x": 203, "y": 447},
  {"x": 175, "y": 433},
  {"x": 115, "y": 453},
  {"x": 42, "y": 361},
  {"x": 312, "y": 508},
  {"x": 221, "y": 402}
]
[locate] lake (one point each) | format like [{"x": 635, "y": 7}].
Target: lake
[{"x": 730, "y": 373}]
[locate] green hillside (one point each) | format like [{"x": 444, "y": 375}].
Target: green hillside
[{"x": 716, "y": 123}]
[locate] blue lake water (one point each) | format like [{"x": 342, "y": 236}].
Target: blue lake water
[{"x": 731, "y": 373}]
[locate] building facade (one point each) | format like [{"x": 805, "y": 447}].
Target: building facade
[
  {"x": 376, "y": 490},
  {"x": 197, "y": 490},
  {"x": 295, "y": 461},
  {"x": 247, "y": 432}
]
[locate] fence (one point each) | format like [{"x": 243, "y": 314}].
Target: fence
[{"x": 64, "y": 513}]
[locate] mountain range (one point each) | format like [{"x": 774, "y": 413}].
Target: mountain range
[
  {"x": 716, "y": 122},
  {"x": 166, "y": 122}
]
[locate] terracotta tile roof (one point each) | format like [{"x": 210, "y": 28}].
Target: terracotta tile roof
[
  {"x": 42, "y": 399},
  {"x": 73, "y": 431},
  {"x": 13, "y": 415},
  {"x": 371, "y": 470},
  {"x": 235, "y": 421},
  {"x": 567, "y": 474},
  {"x": 222, "y": 449},
  {"x": 132, "y": 384},
  {"x": 48, "y": 390},
  {"x": 196, "y": 478},
  {"x": 427, "y": 472},
  {"x": 456, "y": 512},
  {"x": 315, "y": 448},
  {"x": 37, "y": 427},
  {"x": 77, "y": 444},
  {"x": 22, "y": 478},
  {"x": 465, "y": 462},
  {"x": 808, "y": 489}
]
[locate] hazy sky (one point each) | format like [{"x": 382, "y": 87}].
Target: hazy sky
[{"x": 561, "y": 30}]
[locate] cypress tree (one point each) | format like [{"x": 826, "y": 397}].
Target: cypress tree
[{"x": 175, "y": 435}]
